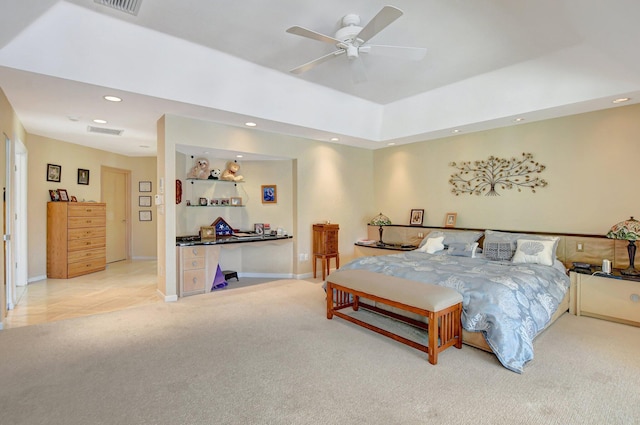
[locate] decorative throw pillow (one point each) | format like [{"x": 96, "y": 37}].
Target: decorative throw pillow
[
  {"x": 433, "y": 245},
  {"x": 534, "y": 251},
  {"x": 512, "y": 238},
  {"x": 454, "y": 236},
  {"x": 497, "y": 251},
  {"x": 463, "y": 249}
]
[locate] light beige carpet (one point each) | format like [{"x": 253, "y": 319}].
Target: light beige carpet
[{"x": 266, "y": 354}]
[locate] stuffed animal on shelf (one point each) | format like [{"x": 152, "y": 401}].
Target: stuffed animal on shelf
[
  {"x": 200, "y": 170},
  {"x": 231, "y": 173},
  {"x": 215, "y": 174}
]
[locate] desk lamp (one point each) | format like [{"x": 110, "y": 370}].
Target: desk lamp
[
  {"x": 380, "y": 220},
  {"x": 628, "y": 230}
]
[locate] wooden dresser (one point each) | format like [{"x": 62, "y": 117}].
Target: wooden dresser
[
  {"x": 325, "y": 246},
  {"x": 76, "y": 238}
]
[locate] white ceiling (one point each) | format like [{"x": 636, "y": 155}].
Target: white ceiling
[{"x": 488, "y": 62}]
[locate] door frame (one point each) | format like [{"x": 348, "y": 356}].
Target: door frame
[{"x": 127, "y": 201}]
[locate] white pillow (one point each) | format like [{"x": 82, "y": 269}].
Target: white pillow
[
  {"x": 534, "y": 251},
  {"x": 433, "y": 245}
]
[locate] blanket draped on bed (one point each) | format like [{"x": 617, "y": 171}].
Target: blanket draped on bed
[{"x": 509, "y": 303}]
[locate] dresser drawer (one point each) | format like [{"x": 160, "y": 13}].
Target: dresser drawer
[
  {"x": 189, "y": 252},
  {"x": 618, "y": 299},
  {"x": 78, "y": 222},
  {"x": 82, "y": 244},
  {"x": 193, "y": 281},
  {"x": 85, "y": 255},
  {"x": 84, "y": 267},
  {"x": 193, "y": 263},
  {"x": 87, "y": 233},
  {"x": 84, "y": 210}
]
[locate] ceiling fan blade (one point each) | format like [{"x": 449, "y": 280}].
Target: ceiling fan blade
[
  {"x": 307, "y": 66},
  {"x": 400, "y": 52},
  {"x": 304, "y": 32},
  {"x": 386, "y": 16}
]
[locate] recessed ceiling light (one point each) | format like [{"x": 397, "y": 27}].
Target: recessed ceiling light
[
  {"x": 250, "y": 124},
  {"x": 97, "y": 121},
  {"x": 622, "y": 99},
  {"x": 144, "y": 146},
  {"x": 238, "y": 156},
  {"x": 391, "y": 144},
  {"x": 456, "y": 131},
  {"x": 519, "y": 119},
  {"x": 112, "y": 98},
  {"x": 334, "y": 139}
]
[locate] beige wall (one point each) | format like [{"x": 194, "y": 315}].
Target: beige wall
[
  {"x": 70, "y": 157},
  {"x": 329, "y": 182},
  {"x": 10, "y": 127},
  {"x": 591, "y": 170}
]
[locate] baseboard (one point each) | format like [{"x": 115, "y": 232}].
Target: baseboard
[
  {"x": 304, "y": 276},
  {"x": 36, "y": 278},
  {"x": 144, "y": 258},
  {"x": 167, "y": 298}
]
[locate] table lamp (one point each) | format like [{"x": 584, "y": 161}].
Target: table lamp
[
  {"x": 380, "y": 220},
  {"x": 628, "y": 230}
]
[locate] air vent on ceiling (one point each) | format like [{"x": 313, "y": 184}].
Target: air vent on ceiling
[
  {"x": 102, "y": 130},
  {"x": 129, "y": 6}
]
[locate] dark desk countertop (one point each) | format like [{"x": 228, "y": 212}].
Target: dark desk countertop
[{"x": 224, "y": 240}]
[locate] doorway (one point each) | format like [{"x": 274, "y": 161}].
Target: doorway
[
  {"x": 15, "y": 224},
  {"x": 115, "y": 187}
]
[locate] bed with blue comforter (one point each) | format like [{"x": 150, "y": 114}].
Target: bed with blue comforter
[{"x": 509, "y": 303}]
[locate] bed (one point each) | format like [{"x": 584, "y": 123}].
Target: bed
[{"x": 508, "y": 298}]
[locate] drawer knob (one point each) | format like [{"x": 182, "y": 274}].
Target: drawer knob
[
  {"x": 635, "y": 298},
  {"x": 195, "y": 280},
  {"x": 195, "y": 251},
  {"x": 194, "y": 263}
]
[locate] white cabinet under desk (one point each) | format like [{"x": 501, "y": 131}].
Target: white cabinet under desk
[
  {"x": 610, "y": 298},
  {"x": 197, "y": 265}
]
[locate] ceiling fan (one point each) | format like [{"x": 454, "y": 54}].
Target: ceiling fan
[{"x": 351, "y": 40}]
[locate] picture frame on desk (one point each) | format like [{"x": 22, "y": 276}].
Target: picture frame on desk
[
  {"x": 53, "y": 194},
  {"x": 207, "y": 233},
  {"x": 62, "y": 194},
  {"x": 416, "y": 217}
]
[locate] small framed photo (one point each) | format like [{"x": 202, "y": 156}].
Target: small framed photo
[
  {"x": 144, "y": 186},
  {"x": 203, "y": 202},
  {"x": 236, "y": 201},
  {"x": 225, "y": 201},
  {"x": 144, "y": 215},
  {"x": 269, "y": 194},
  {"x": 215, "y": 201},
  {"x": 144, "y": 201},
  {"x": 54, "y": 172},
  {"x": 416, "y": 217},
  {"x": 258, "y": 228},
  {"x": 74, "y": 199},
  {"x": 450, "y": 219},
  {"x": 83, "y": 176},
  {"x": 62, "y": 194},
  {"x": 207, "y": 233},
  {"x": 53, "y": 194}
]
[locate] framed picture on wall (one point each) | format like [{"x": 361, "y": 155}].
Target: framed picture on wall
[
  {"x": 83, "y": 176},
  {"x": 269, "y": 194},
  {"x": 144, "y": 201},
  {"x": 144, "y": 186},
  {"x": 144, "y": 215},
  {"x": 416, "y": 217},
  {"x": 54, "y": 172},
  {"x": 450, "y": 219}
]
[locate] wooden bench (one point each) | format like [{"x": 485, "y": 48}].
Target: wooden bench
[{"x": 440, "y": 305}]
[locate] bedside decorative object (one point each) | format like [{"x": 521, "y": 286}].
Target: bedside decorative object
[
  {"x": 207, "y": 233},
  {"x": 380, "y": 220},
  {"x": 628, "y": 230},
  {"x": 416, "y": 217},
  {"x": 450, "y": 219}
]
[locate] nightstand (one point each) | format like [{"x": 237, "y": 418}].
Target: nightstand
[{"x": 612, "y": 297}]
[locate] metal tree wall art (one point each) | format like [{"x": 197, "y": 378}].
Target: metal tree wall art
[{"x": 478, "y": 177}]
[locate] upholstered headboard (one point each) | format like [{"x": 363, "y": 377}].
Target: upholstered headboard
[{"x": 590, "y": 249}]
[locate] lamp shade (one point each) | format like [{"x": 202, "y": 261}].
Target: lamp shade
[
  {"x": 628, "y": 230},
  {"x": 380, "y": 220}
]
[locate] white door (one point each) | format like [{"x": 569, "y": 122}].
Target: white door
[
  {"x": 16, "y": 265},
  {"x": 115, "y": 193}
]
